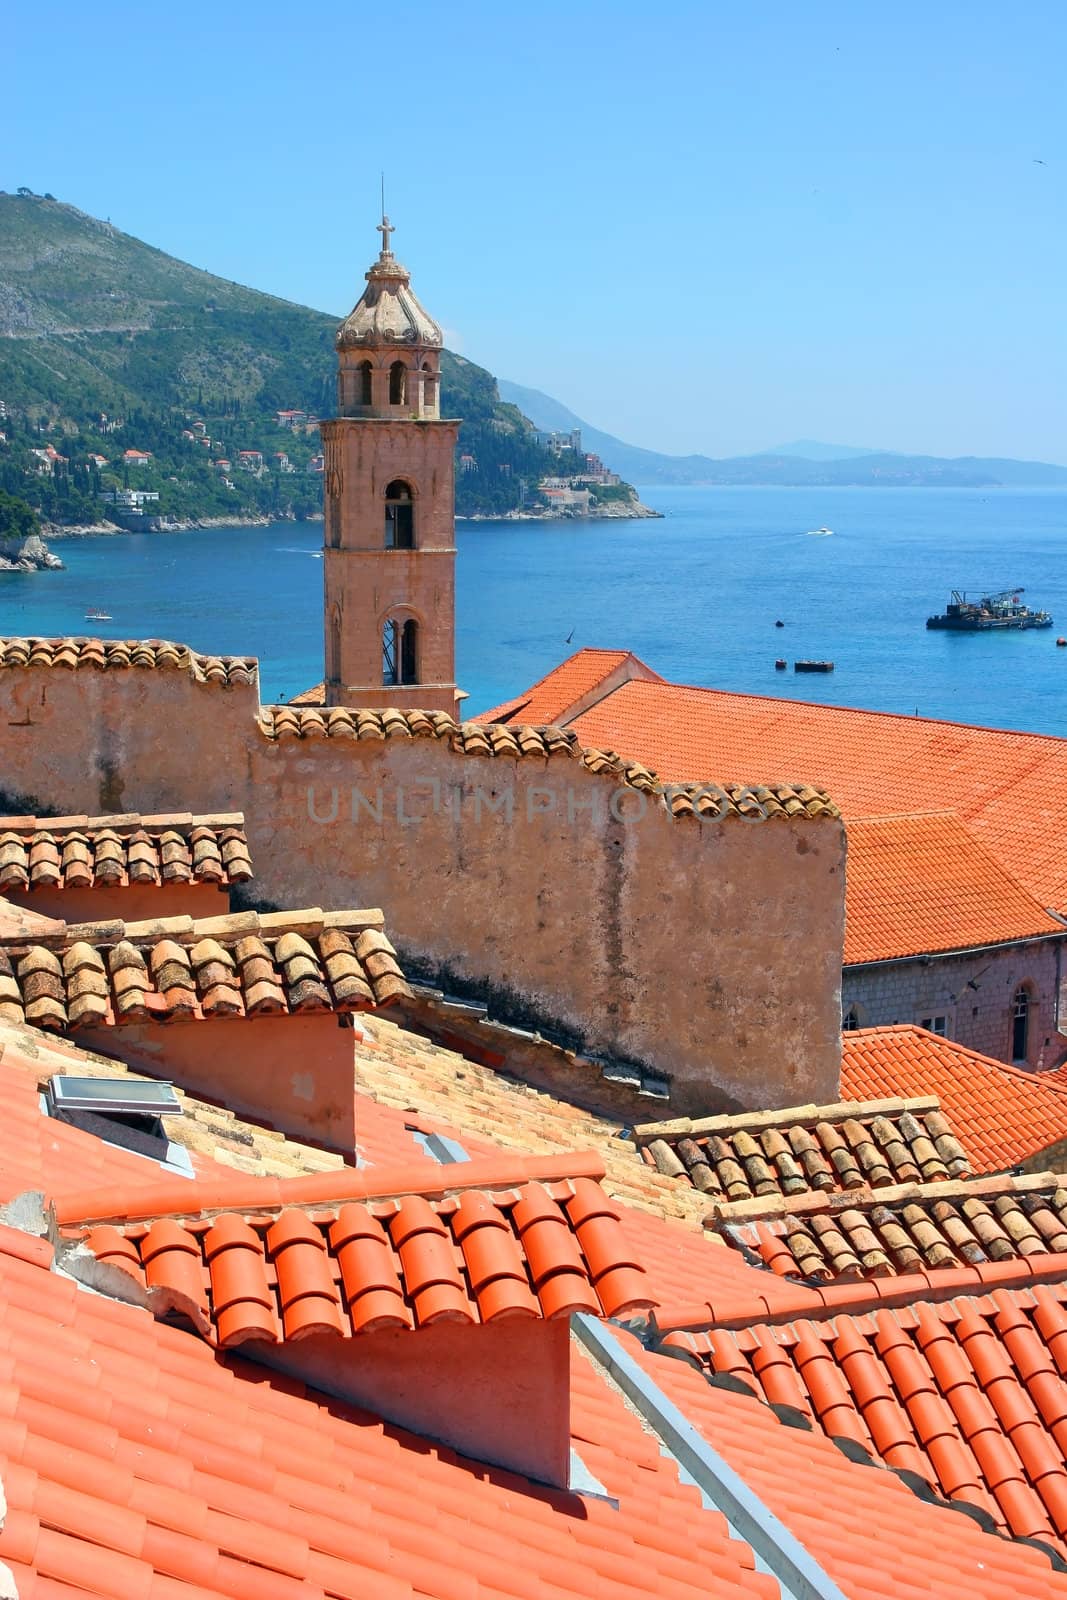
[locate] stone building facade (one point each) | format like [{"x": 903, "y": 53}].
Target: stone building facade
[{"x": 1004, "y": 1001}]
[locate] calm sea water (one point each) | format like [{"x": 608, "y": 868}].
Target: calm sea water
[{"x": 696, "y": 595}]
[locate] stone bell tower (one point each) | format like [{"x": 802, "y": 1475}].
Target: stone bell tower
[{"x": 389, "y": 553}]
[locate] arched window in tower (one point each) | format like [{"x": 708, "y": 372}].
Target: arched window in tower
[
  {"x": 391, "y": 654},
  {"x": 399, "y": 516},
  {"x": 398, "y": 383},
  {"x": 1020, "y": 1024},
  {"x": 409, "y": 652},
  {"x": 364, "y": 392},
  {"x": 428, "y": 381}
]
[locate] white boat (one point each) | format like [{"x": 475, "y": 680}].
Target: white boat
[
  {"x": 820, "y": 533},
  {"x": 94, "y": 614}
]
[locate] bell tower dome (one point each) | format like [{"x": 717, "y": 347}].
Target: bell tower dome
[{"x": 389, "y": 551}]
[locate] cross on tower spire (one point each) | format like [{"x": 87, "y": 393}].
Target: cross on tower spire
[{"x": 385, "y": 228}]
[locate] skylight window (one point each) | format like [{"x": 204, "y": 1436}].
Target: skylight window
[{"x": 127, "y": 1112}]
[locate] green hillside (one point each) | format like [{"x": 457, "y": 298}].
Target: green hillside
[{"x": 95, "y": 324}]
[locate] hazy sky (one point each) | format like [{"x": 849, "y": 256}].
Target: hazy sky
[{"x": 704, "y": 226}]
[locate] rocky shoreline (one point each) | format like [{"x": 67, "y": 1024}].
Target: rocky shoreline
[
  {"x": 28, "y": 555},
  {"x": 613, "y": 511}
]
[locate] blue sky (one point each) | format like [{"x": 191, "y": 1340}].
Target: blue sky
[{"x": 704, "y": 226}]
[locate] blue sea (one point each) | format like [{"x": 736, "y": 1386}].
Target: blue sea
[{"x": 696, "y": 595}]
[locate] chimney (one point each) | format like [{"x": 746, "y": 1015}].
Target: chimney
[{"x": 438, "y": 1300}]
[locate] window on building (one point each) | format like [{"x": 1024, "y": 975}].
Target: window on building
[
  {"x": 938, "y": 1025},
  {"x": 398, "y": 383},
  {"x": 390, "y": 654},
  {"x": 128, "y": 1112},
  {"x": 400, "y": 653},
  {"x": 428, "y": 381},
  {"x": 365, "y": 371},
  {"x": 409, "y": 653},
  {"x": 1020, "y": 1024},
  {"x": 399, "y": 516},
  {"x": 851, "y": 1020}
]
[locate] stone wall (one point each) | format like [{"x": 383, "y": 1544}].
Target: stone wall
[
  {"x": 705, "y": 951},
  {"x": 979, "y": 1017}
]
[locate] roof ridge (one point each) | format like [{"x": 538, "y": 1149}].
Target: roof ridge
[
  {"x": 231, "y": 925},
  {"x": 72, "y": 651},
  {"x": 248, "y": 1194}
]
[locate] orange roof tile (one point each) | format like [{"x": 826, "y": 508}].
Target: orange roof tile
[
  {"x": 471, "y": 1242},
  {"x": 802, "y": 1149},
  {"x": 968, "y": 1393},
  {"x": 84, "y": 852},
  {"x": 1002, "y": 1115},
  {"x": 139, "y": 1462},
  {"x": 547, "y": 699},
  {"x": 872, "y": 1533},
  {"x": 1009, "y": 789},
  {"x": 104, "y": 655},
  {"x": 924, "y": 883},
  {"x": 178, "y": 968}
]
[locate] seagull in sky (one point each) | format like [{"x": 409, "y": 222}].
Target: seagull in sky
[{"x": 1038, "y": 161}]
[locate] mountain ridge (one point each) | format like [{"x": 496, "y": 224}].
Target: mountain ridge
[
  {"x": 96, "y": 324},
  {"x": 876, "y": 468}
]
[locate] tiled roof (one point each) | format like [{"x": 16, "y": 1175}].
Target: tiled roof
[
  {"x": 351, "y": 1253},
  {"x": 1009, "y": 789},
  {"x": 873, "y": 1535},
  {"x": 315, "y": 696},
  {"x": 924, "y": 883},
  {"x": 968, "y": 1393},
  {"x": 475, "y": 1105},
  {"x": 548, "y": 699},
  {"x": 139, "y": 1462},
  {"x": 906, "y": 1229},
  {"x": 848, "y": 1145},
  {"x": 113, "y": 654},
  {"x": 82, "y": 852},
  {"x": 178, "y": 968},
  {"x": 1003, "y": 1116},
  {"x": 474, "y": 739}
]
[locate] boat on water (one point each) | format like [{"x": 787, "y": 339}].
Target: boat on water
[
  {"x": 94, "y": 614},
  {"x": 1001, "y": 610},
  {"x": 820, "y": 533},
  {"x": 813, "y": 666}
]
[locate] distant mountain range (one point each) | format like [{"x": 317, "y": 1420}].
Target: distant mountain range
[{"x": 805, "y": 461}]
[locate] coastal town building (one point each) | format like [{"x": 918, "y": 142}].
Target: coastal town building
[
  {"x": 319, "y": 1275},
  {"x": 957, "y": 892}
]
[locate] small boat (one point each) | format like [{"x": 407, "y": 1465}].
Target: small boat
[
  {"x": 820, "y": 533},
  {"x": 780, "y": 665},
  {"x": 779, "y": 623},
  {"x": 1061, "y": 641},
  {"x": 813, "y": 666},
  {"x": 94, "y": 614}
]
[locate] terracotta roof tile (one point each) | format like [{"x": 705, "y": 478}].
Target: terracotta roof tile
[
  {"x": 472, "y": 1242},
  {"x": 968, "y": 1392},
  {"x": 910, "y": 1228},
  {"x": 1004, "y": 1116},
  {"x": 114, "y": 654},
  {"x": 872, "y": 1534},
  {"x": 754, "y": 802},
  {"x": 1009, "y": 789},
  {"x": 806, "y": 1149},
  {"x": 85, "y": 852},
  {"x": 924, "y": 883},
  {"x": 548, "y": 699},
  {"x": 178, "y": 968},
  {"x": 220, "y": 1478}
]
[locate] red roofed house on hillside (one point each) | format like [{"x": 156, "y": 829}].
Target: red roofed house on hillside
[{"x": 954, "y": 920}]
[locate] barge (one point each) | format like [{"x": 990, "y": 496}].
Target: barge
[{"x": 1002, "y": 610}]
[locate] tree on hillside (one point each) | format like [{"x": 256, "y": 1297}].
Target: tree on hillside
[{"x": 17, "y": 519}]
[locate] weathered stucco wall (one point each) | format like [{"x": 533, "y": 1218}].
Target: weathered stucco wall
[{"x": 707, "y": 951}]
